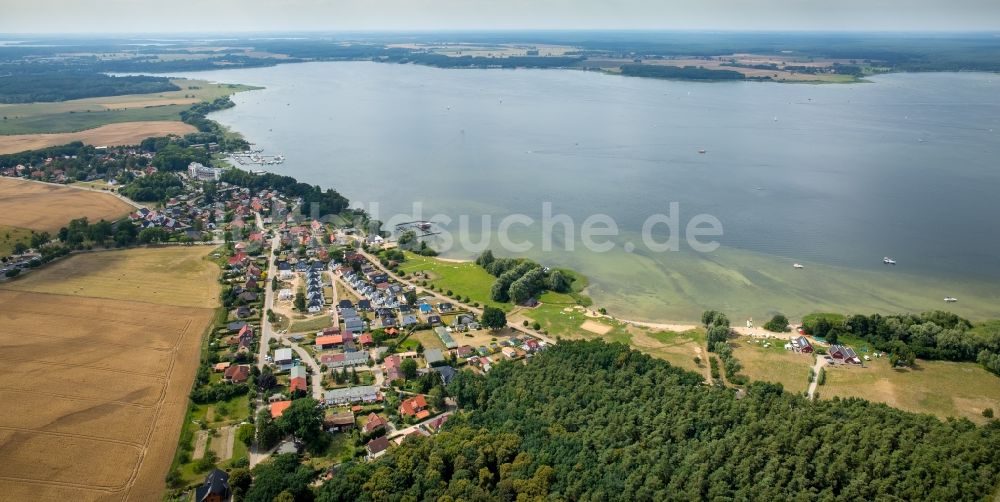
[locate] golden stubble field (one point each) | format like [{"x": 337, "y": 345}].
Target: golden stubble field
[
  {"x": 95, "y": 384},
  {"x": 45, "y": 207},
  {"x": 124, "y": 133}
]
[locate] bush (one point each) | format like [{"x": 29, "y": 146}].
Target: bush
[
  {"x": 988, "y": 413},
  {"x": 777, "y": 324}
]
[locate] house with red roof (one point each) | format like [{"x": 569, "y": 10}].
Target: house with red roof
[
  {"x": 279, "y": 407},
  {"x": 238, "y": 259},
  {"x": 298, "y": 379},
  {"x": 413, "y": 406},
  {"x": 392, "y": 371},
  {"x": 374, "y": 423},
  {"x": 327, "y": 342},
  {"x": 236, "y": 374}
]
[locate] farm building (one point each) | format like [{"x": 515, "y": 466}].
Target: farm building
[
  {"x": 844, "y": 353},
  {"x": 801, "y": 344}
]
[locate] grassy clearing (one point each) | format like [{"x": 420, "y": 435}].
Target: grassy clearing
[
  {"x": 429, "y": 339},
  {"x": 173, "y": 275},
  {"x": 465, "y": 278},
  {"x": 9, "y": 236},
  {"x": 941, "y": 388},
  {"x": 308, "y": 325},
  {"x": 773, "y": 364},
  {"x": 678, "y": 349}
]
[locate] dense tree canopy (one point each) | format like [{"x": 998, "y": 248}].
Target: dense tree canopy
[
  {"x": 29, "y": 84},
  {"x": 591, "y": 421}
]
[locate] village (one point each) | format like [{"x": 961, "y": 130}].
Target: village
[{"x": 319, "y": 319}]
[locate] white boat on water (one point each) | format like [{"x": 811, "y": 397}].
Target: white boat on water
[
  {"x": 798, "y": 265},
  {"x": 888, "y": 261},
  {"x": 701, "y": 151},
  {"x": 950, "y": 299}
]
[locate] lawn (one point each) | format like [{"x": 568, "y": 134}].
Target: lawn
[
  {"x": 773, "y": 364},
  {"x": 9, "y": 236},
  {"x": 429, "y": 339},
  {"x": 940, "y": 388},
  {"x": 463, "y": 278},
  {"x": 311, "y": 325}
]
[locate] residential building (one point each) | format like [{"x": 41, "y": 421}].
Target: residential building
[
  {"x": 412, "y": 406},
  {"x": 347, "y": 395},
  {"x": 214, "y": 489}
]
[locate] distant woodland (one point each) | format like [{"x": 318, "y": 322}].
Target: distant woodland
[{"x": 18, "y": 85}]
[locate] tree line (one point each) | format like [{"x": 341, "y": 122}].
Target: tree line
[
  {"x": 681, "y": 73},
  {"x": 32, "y": 83}
]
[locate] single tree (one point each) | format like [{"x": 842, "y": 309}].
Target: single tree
[{"x": 494, "y": 318}]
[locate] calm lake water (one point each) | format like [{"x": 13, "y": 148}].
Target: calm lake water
[{"x": 831, "y": 176}]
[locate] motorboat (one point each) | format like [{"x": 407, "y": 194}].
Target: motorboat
[
  {"x": 950, "y": 299},
  {"x": 798, "y": 265},
  {"x": 888, "y": 261}
]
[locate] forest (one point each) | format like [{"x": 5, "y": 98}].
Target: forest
[
  {"x": 585, "y": 420},
  {"x": 686, "y": 73},
  {"x": 24, "y": 84}
]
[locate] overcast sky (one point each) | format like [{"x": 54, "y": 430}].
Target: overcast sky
[{"x": 137, "y": 16}]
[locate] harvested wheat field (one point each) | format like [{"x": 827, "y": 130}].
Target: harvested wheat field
[
  {"x": 124, "y": 133},
  {"x": 43, "y": 206},
  {"x": 172, "y": 275},
  {"x": 100, "y": 416}
]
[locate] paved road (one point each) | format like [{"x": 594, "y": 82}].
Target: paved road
[
  {"x": 266, "y": 330},
  {"x": 317, "y": 372}
]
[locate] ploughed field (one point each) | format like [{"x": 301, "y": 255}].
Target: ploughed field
[{"x": 96, "y": 387}]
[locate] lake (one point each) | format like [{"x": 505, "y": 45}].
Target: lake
[{"x": 833, "y": 177}]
